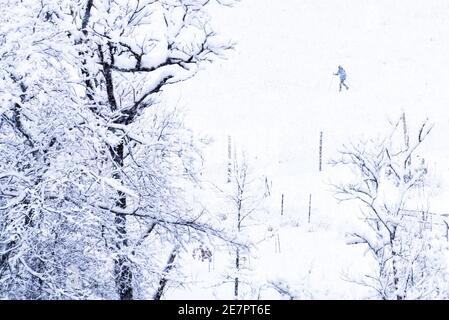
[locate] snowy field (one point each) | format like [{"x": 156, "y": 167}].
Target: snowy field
[{"x": 276, "y": 92}]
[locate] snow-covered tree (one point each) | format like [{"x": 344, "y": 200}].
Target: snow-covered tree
[
  {"x": 95, "y": 172},
  {"x": 37, "y": 112},
  {"x": 130, "y": 51},
  {"x": 245, "y": 194},
  {"x": 385, "y": 178}
]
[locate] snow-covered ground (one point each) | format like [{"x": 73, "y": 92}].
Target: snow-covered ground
[{"x": 276, "y": 92}]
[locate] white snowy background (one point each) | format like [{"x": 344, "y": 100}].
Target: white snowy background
[{"x": 276, "y": 92}]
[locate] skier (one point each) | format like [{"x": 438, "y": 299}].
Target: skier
[{"x": 342, "y": 73}]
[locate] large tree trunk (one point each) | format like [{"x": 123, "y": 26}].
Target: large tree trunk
[
  {"x": 122, "y": 264},
  {"x": 122, "y": 268}
]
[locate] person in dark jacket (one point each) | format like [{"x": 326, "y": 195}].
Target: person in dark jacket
[{"x": 342, "y": 73}]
